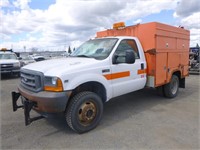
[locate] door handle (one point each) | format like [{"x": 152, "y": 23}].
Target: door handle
[{"x": 142, "y": 66}]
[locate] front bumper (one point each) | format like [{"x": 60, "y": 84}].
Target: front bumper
[
  {"x": 49, "y": 102},
  {"x": 42, "y": 102}
]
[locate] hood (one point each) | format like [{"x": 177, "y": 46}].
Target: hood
[
  {"x": 8, "y": 61},
  {"x": 56, "y": 67}
]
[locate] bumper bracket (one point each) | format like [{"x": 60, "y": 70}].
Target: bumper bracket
[
  {"x": 15, "y": 97},
  {"x": 27, "y": 106}
]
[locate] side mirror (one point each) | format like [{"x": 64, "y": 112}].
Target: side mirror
[
  {"x": 19, "y": 58},
  {"x": 130, "y": 57}
]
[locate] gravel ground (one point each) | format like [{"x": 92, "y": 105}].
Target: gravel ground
[{"x": 139, "y": 120}]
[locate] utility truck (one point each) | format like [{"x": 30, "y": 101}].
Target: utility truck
[{"x": 118, "y": 61}]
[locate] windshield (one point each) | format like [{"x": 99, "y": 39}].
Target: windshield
[
  {"x": 97, "y": 48},
  {"x": 8, "y": 56}
]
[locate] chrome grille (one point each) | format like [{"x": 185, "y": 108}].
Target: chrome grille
[
  {"x": 31, "y": 80},
  {"x": 5, "y": 66}
]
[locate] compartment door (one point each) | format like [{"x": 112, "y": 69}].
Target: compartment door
[{"x": 161, "y": 68}]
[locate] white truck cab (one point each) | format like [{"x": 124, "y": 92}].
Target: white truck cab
[
  {"x": 102, "y": 68},
  {"x": 94, "y": 62}
]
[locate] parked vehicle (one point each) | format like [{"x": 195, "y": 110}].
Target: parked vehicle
[
  {"x": 25, "y": 60},
  {"x": 38, "y": 57},
  {"x": 9, "y": 63},
  {"x": 116, "y": 62},
  {"x": 194, "y": 60}
]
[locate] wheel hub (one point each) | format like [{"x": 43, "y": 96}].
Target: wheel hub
[
  {"x": 87, "y": 113},
  {"x": 174, "y": 86}
]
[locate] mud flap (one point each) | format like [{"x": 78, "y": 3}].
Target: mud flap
[{"x": 27, "y": 106}]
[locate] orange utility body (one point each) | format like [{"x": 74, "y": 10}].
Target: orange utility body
[{"x": 166, "y": 48}]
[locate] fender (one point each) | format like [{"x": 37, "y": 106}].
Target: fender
[
  {"x": 174, "y": 70},
  {"x": 81, "y": 79}
]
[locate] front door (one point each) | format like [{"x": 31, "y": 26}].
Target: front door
[{"x": 127, "y": 77}]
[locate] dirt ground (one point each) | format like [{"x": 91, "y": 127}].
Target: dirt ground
[{"x": 139, "y": 120}]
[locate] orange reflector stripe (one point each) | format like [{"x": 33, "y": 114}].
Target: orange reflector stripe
[
  {"x": 117, "y": 75},
  {"x": 142, "y": 71}
]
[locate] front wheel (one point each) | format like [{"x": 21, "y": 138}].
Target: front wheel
[
  {"x": 84, "y": 112},
  {"x": 171, "y": 89}
]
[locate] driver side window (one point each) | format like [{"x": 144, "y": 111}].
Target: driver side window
[{"x": 126, "y": 45}]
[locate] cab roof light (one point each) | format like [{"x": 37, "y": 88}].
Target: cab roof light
[
  {"x": 119, "y": 25},
  {"x": 6, "y": 50},
  {"x": 3, "y": 49}
]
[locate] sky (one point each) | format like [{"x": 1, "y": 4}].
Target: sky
[{"x": 57, "y": 24}]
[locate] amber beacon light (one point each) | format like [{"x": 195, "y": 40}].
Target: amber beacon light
[{"x": 119, "y": 25}]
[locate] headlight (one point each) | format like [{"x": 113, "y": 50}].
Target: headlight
[
  {"x": 53, "y": 84},
  {"x": 16, "y": 65}
]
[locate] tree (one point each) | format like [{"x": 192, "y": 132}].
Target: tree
[
  {"x": 34, "y": 49},
  {"x": 69, "y": 50}
]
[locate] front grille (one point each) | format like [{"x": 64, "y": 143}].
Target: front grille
[
  {"x": 6, "y": 66},
  {"x": 31, "y": 80}
]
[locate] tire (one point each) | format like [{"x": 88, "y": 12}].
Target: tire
[
  {"x": 15, "y": 74},
  {"x": 160, "y": 91},
  {"x": 84, "y": 112},
  {"x": 172, "y": 88},
  {"x": 18, "y": 74}
]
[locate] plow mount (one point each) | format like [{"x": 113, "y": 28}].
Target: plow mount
[{"x": 26, "y": 105}]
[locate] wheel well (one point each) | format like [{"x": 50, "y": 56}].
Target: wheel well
[
  {"x": 178, "y": 74},
  {"x": 181, "y": 80},
  {"x": 92, "y": 86}
]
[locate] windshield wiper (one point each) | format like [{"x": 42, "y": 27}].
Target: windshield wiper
[{"x": 82, "y": 56}]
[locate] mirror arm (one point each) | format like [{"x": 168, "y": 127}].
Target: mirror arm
[{"x": 114, "y": 59}]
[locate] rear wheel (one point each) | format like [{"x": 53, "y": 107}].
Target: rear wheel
[
  {"x": 160, "y": 91},
  {"x": 171, "y": 89},
  {"x": 84, "y": 112}
]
